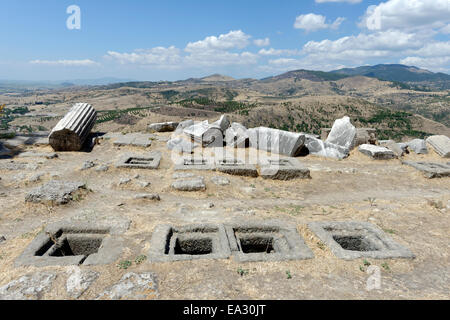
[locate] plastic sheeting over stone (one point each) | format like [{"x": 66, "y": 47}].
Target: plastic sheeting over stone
[
  {"x": 276, "y": 141},
  {"x": 325, "y": 149},
  {"x": 236, "y": 136},
  {"x": 342, "y": 133},
  {"x": 441, "y": 144},
  {"x": 419, "y": 146},
  {"x": 206, "y": 134},
  {"x": 376, "y": 152}
]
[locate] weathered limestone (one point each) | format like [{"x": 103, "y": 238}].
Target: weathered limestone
[
  {"x": 79, "y": 281},
  {"x": 184, "y": 124},
  {"x": 266, "y": 241},
  {"x": 27, "y": 139},
  {"x": 283, "y": 169},
  {"x": 441, "y": 144},
  {"x": 47, "y": 155},
  {"x": 36, "y": 177},
  {"x": 59, "y": 192},
  {"x": 223, "y": 123},
  {"x": 276, "y": 141},
  {"x": 181, "y": 145},
  {"x": 199, "y": 241},
  {"x": 28, "y": 287},
  {"x": 354, "y": 240},
  {"x": 393, "y": 146},
  {"x": 72, "y": 131},
  {"x": 181, "y": 175},
  {"x": 73, "y": 243},
  {"x": 148, "y": 196},
  {"x": 364, "y": 136},
  {"x": 431, "y": 170},
  {"x": 87, "y": 165},
  {"x": 342, "y": 133},
  {"x": 13, "y": 166},
  {"x": 236, "y": 136},
  {"x": 206, "y": 134},
  {"x": 140, "y": 161},
  {"x": 163, "y": 126},
  {"x": 190, "y": 184},
  {"x": 419, "y": 146},
  {"x": 325, "y": 149},
  {"x": 133, "y": 139},
  {"x": 220, "y": 181},
  {"x": 376, "y": 152},
  {"x": 195, "y": 163},
  {"x": 102, "y": 168},
  {"x": 236, "y": 167},
  {"x": 133, "y": 286}
]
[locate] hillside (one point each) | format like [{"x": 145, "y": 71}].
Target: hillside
[
  {"x": 399, "y": 73},
  {"x": 299, "y": 100}
]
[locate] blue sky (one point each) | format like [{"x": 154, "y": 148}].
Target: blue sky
[{"x": 170, "y": 40}]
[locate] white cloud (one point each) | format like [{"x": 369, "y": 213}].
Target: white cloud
[
  {"x": 433, "y": 49},
  {"x": 308, "y": 63},
  {"x": 407, "y": 15},
  {"x": 445, "y": 30},
  {"x": 314, "y": 22},
  {"x": 262, "y": 42},
  {"x": 363, "y": 46},
  {"x": 159, "y": 56},
  {"x": 349, "y": 1},
  {"x": 219, "y": 58},
  {"x": 433, "y": 63},
  {"x": 337, "y": 23},
  {"x": 231, "y": 40},
  {"x": 67, "y": 63},
  {"x": 210, "y": 52},
  {"x": 277, "y": 52}
]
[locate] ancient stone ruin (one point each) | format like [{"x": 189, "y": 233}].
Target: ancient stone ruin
[{"x": 71, "y": 132}]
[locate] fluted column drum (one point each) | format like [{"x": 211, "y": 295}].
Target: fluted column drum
[{"x": 72, "y": 131}]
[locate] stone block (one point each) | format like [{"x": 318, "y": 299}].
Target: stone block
[
  {"x": 67, "y": 243},
  {"x": 140, "y": 161},
  {"x": 268, "y": 241},
  {"x": 276, "y": 141},
  {"x": 283, "y": 169},
  {"x": 441, "y": 144},
  {"x": 354, "y": 240},
  {"x": 376, "y": 152},
  {"x": 163, "y": 127},
  {"x": 200, "y": 241},
  {"x": 236, "y": 167},
  {"x": 431, "y": 170}
]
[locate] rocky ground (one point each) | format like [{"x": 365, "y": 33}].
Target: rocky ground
[{"x": 410, "y": 208}]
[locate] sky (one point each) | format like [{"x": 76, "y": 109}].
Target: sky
[{"x": 173, "y": 40}]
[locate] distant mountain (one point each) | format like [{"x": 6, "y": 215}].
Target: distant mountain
[
  {"x": 44, "y": 84},
  {"x": 94, "y": 82},
  {"x": 217, "y": 77},
  {"x": 306, "y": 74},
  {"x": 395, "y": 72}
]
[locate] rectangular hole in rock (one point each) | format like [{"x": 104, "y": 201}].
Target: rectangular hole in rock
[
  {"x": 257, "y": 245},
  {"x": 279, "y": 162},
  {"x": 231, "y": 162},
  {"x": 139, "y": 161},
  {"x": 193, "y": 246},
  {"x": 77, "y": 246},
  {"x": 355, "y": 243},
  {"x": 192, "y": 162},
  {"x": 42, "y": 250}
]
